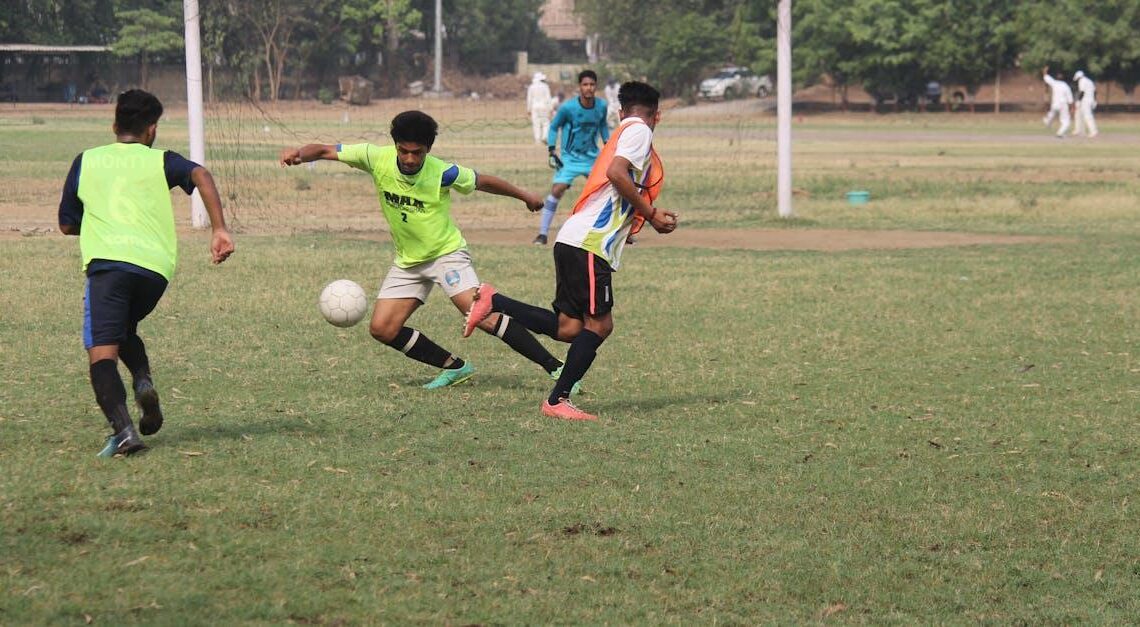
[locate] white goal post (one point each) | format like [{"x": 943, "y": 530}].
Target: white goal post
[
  {"x": 194, "y": 103},
  {"x": 784, "y": 108}
]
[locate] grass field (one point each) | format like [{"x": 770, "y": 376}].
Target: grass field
[{"x": 928, "y": 435}]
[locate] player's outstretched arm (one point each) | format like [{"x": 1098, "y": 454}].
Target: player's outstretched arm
[
  {"x": 307, "y": 153},
  {"x": 618, "y": 173},
  {"x": 221, "y": 242},
  {"x": 496, "y": 185}
]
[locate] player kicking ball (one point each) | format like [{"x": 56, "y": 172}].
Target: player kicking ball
[
  {"x": 414, "y": 189},
  {"x": 619, "y": 194}
]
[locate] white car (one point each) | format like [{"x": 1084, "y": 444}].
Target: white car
[{"x": 734, "y": 82}]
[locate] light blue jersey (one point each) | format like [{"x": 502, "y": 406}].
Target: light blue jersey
[{"x": 580, "y": 128}]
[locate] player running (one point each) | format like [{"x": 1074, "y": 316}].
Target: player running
[
  {"x": 617, "y": 199},
  {"x": 581, "y": 121},
  {"x": 117, "y": 200},
  {"x": 414, "y": 189}
]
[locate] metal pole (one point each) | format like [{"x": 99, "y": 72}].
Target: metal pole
[
  {"x": 784, "y": 108},
  {"x": 438, "y": 44},
  {"x": 194, "y": 104}
]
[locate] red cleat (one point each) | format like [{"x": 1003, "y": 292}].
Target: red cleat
[
  {"x": 565, "y": 410},
  {"x": 480, "y": 309}
]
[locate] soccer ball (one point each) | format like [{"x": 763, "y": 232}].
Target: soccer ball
[{"x": 343, "y": 303}]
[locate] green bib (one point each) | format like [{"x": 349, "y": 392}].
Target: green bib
[
  {"x": 418, "y": 207},
  {"x": 127, "y": 215}
]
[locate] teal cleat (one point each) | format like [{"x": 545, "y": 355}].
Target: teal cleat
[
  {"x": 577, "y": 384},
  {"x": 126, "y": 442},
  {"x": 451, "y": 377}
]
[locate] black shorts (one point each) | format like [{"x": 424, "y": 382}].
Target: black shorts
[
  {"x": 114, "y": 303},
  {"x": 583, "y": 283}
]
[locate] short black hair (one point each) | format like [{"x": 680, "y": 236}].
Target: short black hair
[
  {"x": 414, "y": 126},
  {"x": 587, "y": 74},
  {"x": 638, "y": 94},
  {"x": 135, "y": 110}
]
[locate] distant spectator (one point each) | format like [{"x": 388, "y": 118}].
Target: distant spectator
[
  {"x": 1061, "y": 101},
  {"x": 613, "y": 109},
  {"x": 934, "y": 92},
  {"x": 539, "y": 105},
  {"x": 1087, "y": 90}
]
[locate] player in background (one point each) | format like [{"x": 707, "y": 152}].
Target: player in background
[
  {"x": 1061, "y": 98},
  {"x": 1086, "y": 123},
  {"x": 613, "y": 110},
  {"x": 539, "y": 102},
  {"x": 414, "y": 189},
  {"x": 581, "y": 122},
  {"x": 618, "y": 198},
  {"x": 117, "y": 200}
]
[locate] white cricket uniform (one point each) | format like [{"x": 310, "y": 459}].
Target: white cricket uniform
[
  {"x": 613, "y": 108},
  {"x": 1085, "y": 121},
  {"x": 539, "y": 104},
  {"x": 604, "y": 222},
  {"x": 1059, "y": 105}
]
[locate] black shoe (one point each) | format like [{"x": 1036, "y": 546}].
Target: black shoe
[
  {"x": 125, "y": 442},
  {"x": 539, "y": 240},
  {"x": 147, "y": 398}
]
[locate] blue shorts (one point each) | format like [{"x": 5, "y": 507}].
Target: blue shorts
[
  {"x": 572, "y": 169},
  {"x": 114, "y": 303}
]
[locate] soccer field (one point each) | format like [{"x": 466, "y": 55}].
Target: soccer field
[{"x": 870, "y": 435}]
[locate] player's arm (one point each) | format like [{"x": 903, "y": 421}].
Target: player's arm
[
  {"x": 70, "y": 206},
  {"x": 188, "y": 175},
  {"x": 618, "y": 174},
  {"x": 221, "y": 242},
  {"x": 307, "y": 153},
  {"x": 500, "y": 187}
]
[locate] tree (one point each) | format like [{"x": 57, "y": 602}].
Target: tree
[
  {"x": 824, "y": 45},
  {"x": 686, "y": 45},
  {"x": 476, "y": 30},
  {"x": 1099, "y": 38},
  {"x": 386, "y": 22},
  {"x": 972, "y": 42},
  {"x": 146, "y": 33},
  {"x": 58, "y": 21}
]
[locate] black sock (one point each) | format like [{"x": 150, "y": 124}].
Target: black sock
[
  {"x": 578, "y": 360},
  {"x": 417, "y": 346},
  {"x": 537, "y": 319},
  {"x": 110, "y": 393},
  {"x": 133, "y": 354},
  {"x": 525, "y": 344}
]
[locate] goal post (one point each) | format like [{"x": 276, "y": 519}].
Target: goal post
[
  {"x": 194, "y": 103},
  {"x": 784, "y": 108}
]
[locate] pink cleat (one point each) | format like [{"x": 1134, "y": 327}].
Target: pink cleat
[
  {"x": 565, "y": 410},
  {"x": 480, "y": 309}
]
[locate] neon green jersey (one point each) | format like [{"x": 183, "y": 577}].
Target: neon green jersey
[
  {"x": 127, "y": 215},
  {"x": 417, "y": 207}
]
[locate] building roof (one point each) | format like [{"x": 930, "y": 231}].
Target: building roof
[
  {"x": 559, "y": 21},
  {"x": 51, "y": 49}
]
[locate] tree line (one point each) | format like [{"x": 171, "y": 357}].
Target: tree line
[{"x": 889, "y": 47}]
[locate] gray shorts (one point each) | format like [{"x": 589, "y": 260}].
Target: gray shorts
[{"x": 453, "y": 272}]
